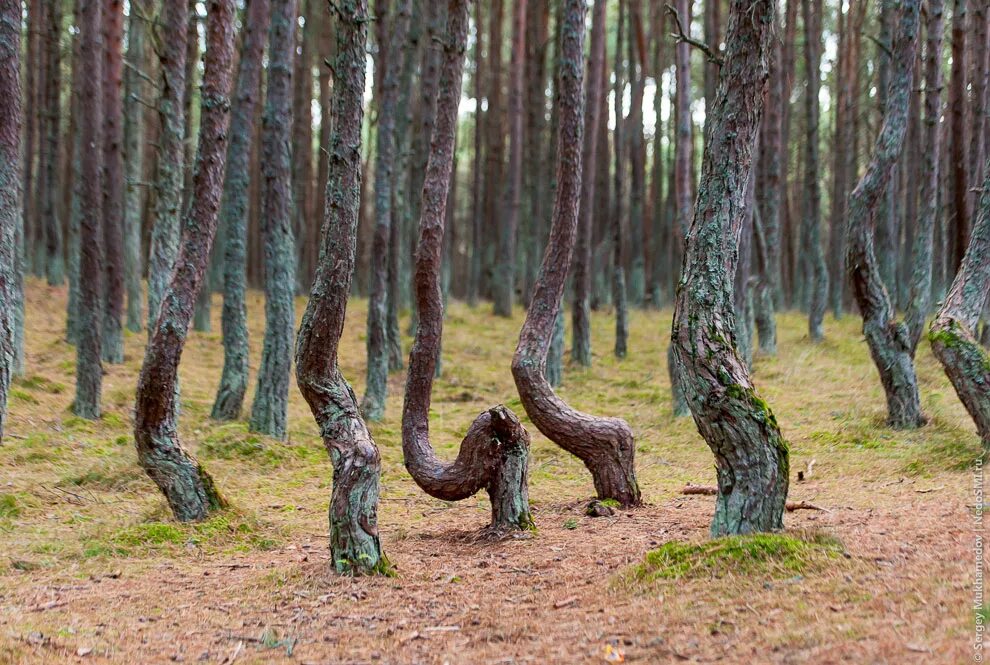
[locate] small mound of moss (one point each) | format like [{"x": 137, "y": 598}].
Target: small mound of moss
[
  {"x": 234, "y": 441},
  {"x": 761, "y": 554}
]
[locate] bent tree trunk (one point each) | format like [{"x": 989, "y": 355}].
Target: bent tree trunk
[
  {"x": 494, "y": 453},
  {"x": 888, "y": 340},
  {"x": 750, "y": 453},
  {"x": 354, "y": 542},
  {"x": 233, "y": 215},
  {"x": 953, "y": 332},
  {"x": 605, "y": 445},
  {"x": 11, "y": 201},
  {"x": 269, "y": 412},
  {"x": 187, "y": 486},
  {"x": 581, "y": 309}
]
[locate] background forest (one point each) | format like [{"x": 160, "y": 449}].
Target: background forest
[{"x": 502, "y": 245}]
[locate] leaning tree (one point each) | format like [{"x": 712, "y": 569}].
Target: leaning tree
[
  {"x": 888, "y": 339},
  {"x": 738, "y": 425},
  {"x": 965, "y": 361},
  {"x": 605, "y": 445},
  {"x": 495, "y": 449},
  {"x": 10, "y": 186},
  {"x": 186, "y": 485},
  {"x": 354, "y": 542}
]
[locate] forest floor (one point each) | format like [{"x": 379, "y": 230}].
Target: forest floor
[{"x": 93, "y": 568}]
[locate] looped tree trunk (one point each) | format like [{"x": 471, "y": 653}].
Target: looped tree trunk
[
  {"x": 605, "y": 445},
  {"x": 354, "y": 543},
  {"x": 495, "y": 451}
]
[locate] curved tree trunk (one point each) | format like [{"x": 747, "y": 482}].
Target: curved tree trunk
[
  {"x": 953, "y": 332},
  {"x": 113, "y": 182},
  {"x": 605, "y": 445},
  {"x": 269, "y": 412},
  {"x": 750, "y": 453},
  {"x": 134, "y": 154},
  {"x": 504, "y": 286},
  {"x": 582, "y": 265},
  {"x": 818, "y": 288},
  {"x": 494, "y": 453},
  {"x": 354, "y": 543},
  {"x": 89, "y": 368},
  {"x": 888, "y": 339},
  {"x": 234, "y": 211},
  {"x": 187, "y": 486},
  {"x": 920, "y": 301},
  {"x": 172, "y": 21},
  {"x": 11, "y": 201}
]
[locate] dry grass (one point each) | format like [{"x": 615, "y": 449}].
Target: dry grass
[{"x": 92, "y": 560}]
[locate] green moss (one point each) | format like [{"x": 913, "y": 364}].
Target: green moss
[
  {"x": 763, "y": 554},
  {"x": 151, "y": 533},
  {"x": 9, "y": 508},
  {"x": 956, "y": 454},
  {"x": 23, "y": 396},
  {"x": 41, "y": 383}
]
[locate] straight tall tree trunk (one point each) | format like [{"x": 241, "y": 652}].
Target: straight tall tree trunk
[
  {"x": 269, "y": 412},
  {"x": 494, "y": 452},
  {"x": 478, "y": 168},
  {"x": 48, "y": 168},
  {"x": 583, "y": 263},
  {"x": 11, "y": 200},
  {"x": 234, "y": 214},
  {"x": 355, "y": 547},
  {"x": 113, "y": 182},
  {"x": 738, "y": 425},
  {"x": 605, "y": 445},
  {"x": 637, "y": 235},
  {"x": 187, "y": 487},
  {"x": 618, "y": 200},
  {"x": 958, "y": 179},
  {"x": 387, "y": 96},
  {"x": 887, "y": 338},
  {"x": 172, "y": 21}
]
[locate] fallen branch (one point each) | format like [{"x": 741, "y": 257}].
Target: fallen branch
[{"x": 711, "y": 490}]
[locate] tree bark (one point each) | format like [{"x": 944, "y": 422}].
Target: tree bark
[
  {"x": 113, "y": 182},
  {"x": 172, "y": 22},
  {"x": 11, "y": 200},
  {"x": 48, "y": 167},
  {"x": 958, "y": 147},
  {"x": 386, "y": 95},
  {"x": 187, "y": 487},
  {"x": 887, "y": 338},
  {"x": 605, "y": 445},
  {"x": 738, "y": 425},
  {"x": 478, "y": 168},
  {"x": 952, "y": 333},
  {"x": 302, "y": 144},
  {"x": 504, "y": 286},
  {"x": 618, "y": 178},
  {"x": 269, "y": 412},
  {"x": 355, "y": 547},
  {"x": 638, "y": 236},
  {"x": 582, "y": 264},
  {"x": 233, "y": 214},
  {"x": 494, "y": 452}
]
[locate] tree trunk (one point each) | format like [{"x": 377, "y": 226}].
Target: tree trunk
[
  {"x": 618, "y": 176},
  {"x": 134, "y": 139},
  {"x": 638, "y": 237},
  {"x": 888, "y": 339},
  {"x": 478, "y": 168},
  {"x": 583, "y": 265},
  {"x": 504, "y": 283},
  {"x": 389, "y": 61},
  {"x": 659, "y": 275},
  {"x": 751, "y": 456},
  {"x": 605, "y": 445},
  {"x": 952, "y": 333},
  {"x": 11, "y": 201},
  {"x": 113, "y": 182},
  {"x": 958, "y": 147},
  {"x": 494, "y": 452},
  {"x": 931, "y": 155},
  {"x": 172, "y": 22},
  {"x": 89, "y": 368},
  {"x": 494, "y": 144},
  {"x": 355, "y": 547},
  {"x": 48, "y": 171},
  {"x": 187, "y": 487},
  {"x": 302, "y": 142},
  {"x": 271, "y": 397},
  {"x": 233, "y": 214},
  {"x": 75, "y": 208},
  {"x": 811, "y": 13}
]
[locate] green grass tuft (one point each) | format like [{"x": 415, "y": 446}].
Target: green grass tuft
[{"x": 9, "y": 508}]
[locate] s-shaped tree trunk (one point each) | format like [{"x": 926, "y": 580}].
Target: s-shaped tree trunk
[
  {"x": 605, "y": 445},
  {"x": 494, "y": 453},
  {"x": 233, "y": 215},
  {"x": 750, "y": 454},
  {"x": 354, "y": 542},
  {"x": 11, "y": 201},
  {"x": 186, "y": 485},
  {"x": 952, "y": 333},
  {"x": 888, "y": 339}
]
